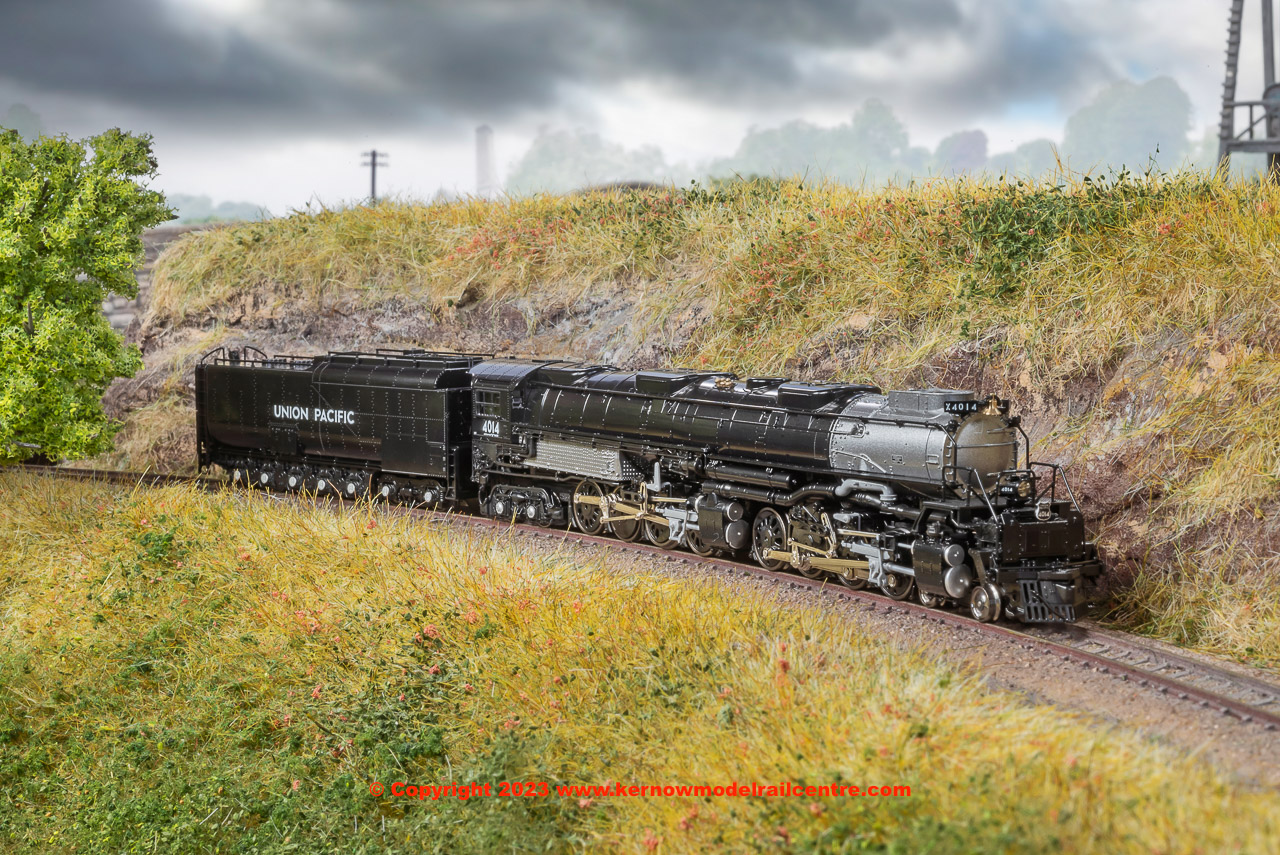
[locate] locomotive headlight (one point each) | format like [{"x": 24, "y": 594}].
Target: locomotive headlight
[{"x": 1024, "y": 489}]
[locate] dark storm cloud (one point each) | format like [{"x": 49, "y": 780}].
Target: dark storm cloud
[
  {"x": 1027, "y": 55},
  {"x": 305, "y": 64},
  {"x": 155, "y": 56}
]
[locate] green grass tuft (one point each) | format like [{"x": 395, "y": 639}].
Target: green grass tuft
[{"x": 190, "y": 672}]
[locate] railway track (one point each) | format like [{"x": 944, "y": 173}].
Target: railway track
[{"x": 1130, "y": 658}]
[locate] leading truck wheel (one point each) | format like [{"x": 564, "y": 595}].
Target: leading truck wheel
[
  {"x": 928, "y": 600},
  {"x": 984, "y": 603},
  {"x": 768, "y": 534}
]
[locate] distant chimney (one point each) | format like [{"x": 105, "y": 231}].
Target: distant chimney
[{"x": 486, "y": 185}]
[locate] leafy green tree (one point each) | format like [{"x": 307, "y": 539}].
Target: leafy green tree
[
  {"x": 200, "y": 209},
  {"x": 1029, "y": 160},
  {"x": 564, "y": 161},
  {"x": 965, "y": 151},
  {"x": 71, "y": 217},
  {"x": 795, "y": 148},
  {"x": 1126, "y": 122},
  {"x": 24, "y": 120},
  {"x": 871, "y": 148}
]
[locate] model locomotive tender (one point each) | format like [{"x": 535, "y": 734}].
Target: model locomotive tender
[{"x": 927, "y": 492}]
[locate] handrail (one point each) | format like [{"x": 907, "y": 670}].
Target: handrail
[{"x": 1058, "y": 470}]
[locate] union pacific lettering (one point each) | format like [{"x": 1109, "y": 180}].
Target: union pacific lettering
[{"x": 306, "y": 414}]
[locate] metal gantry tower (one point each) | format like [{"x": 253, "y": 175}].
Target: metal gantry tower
[{"x": 1262, "y": 132}]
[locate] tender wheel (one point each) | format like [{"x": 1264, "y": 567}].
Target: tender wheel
[
  {"x": 984, "y": 603},
  {"x": 897, "y": 586},
  {"x": 929, "y": 601},
  {"x": 659, "y": 535},
  {"x": 353, "y": 486},
  {"x": 768, "y": 534},
  {"x": 588, "y": 508},
  {"x": 626, "y": 530},
  {"x": 431, "y": 494},
  {"x": 693, "y": 540}
]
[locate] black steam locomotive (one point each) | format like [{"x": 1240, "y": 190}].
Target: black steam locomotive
[{"x": 930, "y": 492}]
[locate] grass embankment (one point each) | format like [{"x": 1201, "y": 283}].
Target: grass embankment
[
  {"x": 1133, "y": 321},
  {"x": 181, "y": 671}
]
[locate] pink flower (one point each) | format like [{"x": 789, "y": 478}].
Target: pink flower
[
  {"x": 296, "y": 784},
  {"x": 431, "y": 631},
  {"x": 577, "y": 605},
  {"x": 315, "y": 693},
  {"x": 471, "y": 617},
  {"x": 434, "y": 669}
]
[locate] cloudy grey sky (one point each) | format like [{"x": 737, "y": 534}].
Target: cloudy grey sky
[{"x": 271, "y": 101}]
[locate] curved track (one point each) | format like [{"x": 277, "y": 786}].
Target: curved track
[{"x": 1127, "y": 657}]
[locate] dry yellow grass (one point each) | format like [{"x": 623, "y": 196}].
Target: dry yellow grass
[
  {"x": 190, "y": 671},
  {"x": 1133, "y": 319}
]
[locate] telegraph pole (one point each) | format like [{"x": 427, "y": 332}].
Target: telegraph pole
[{"x": 374, "y": 159}]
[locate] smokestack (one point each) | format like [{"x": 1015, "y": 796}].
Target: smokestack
[{"x": 486, "y": 186}]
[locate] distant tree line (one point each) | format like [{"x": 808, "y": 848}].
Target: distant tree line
[
  {"x": 1128, "y": 125},
  {"x": 200, "y": 209}
]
